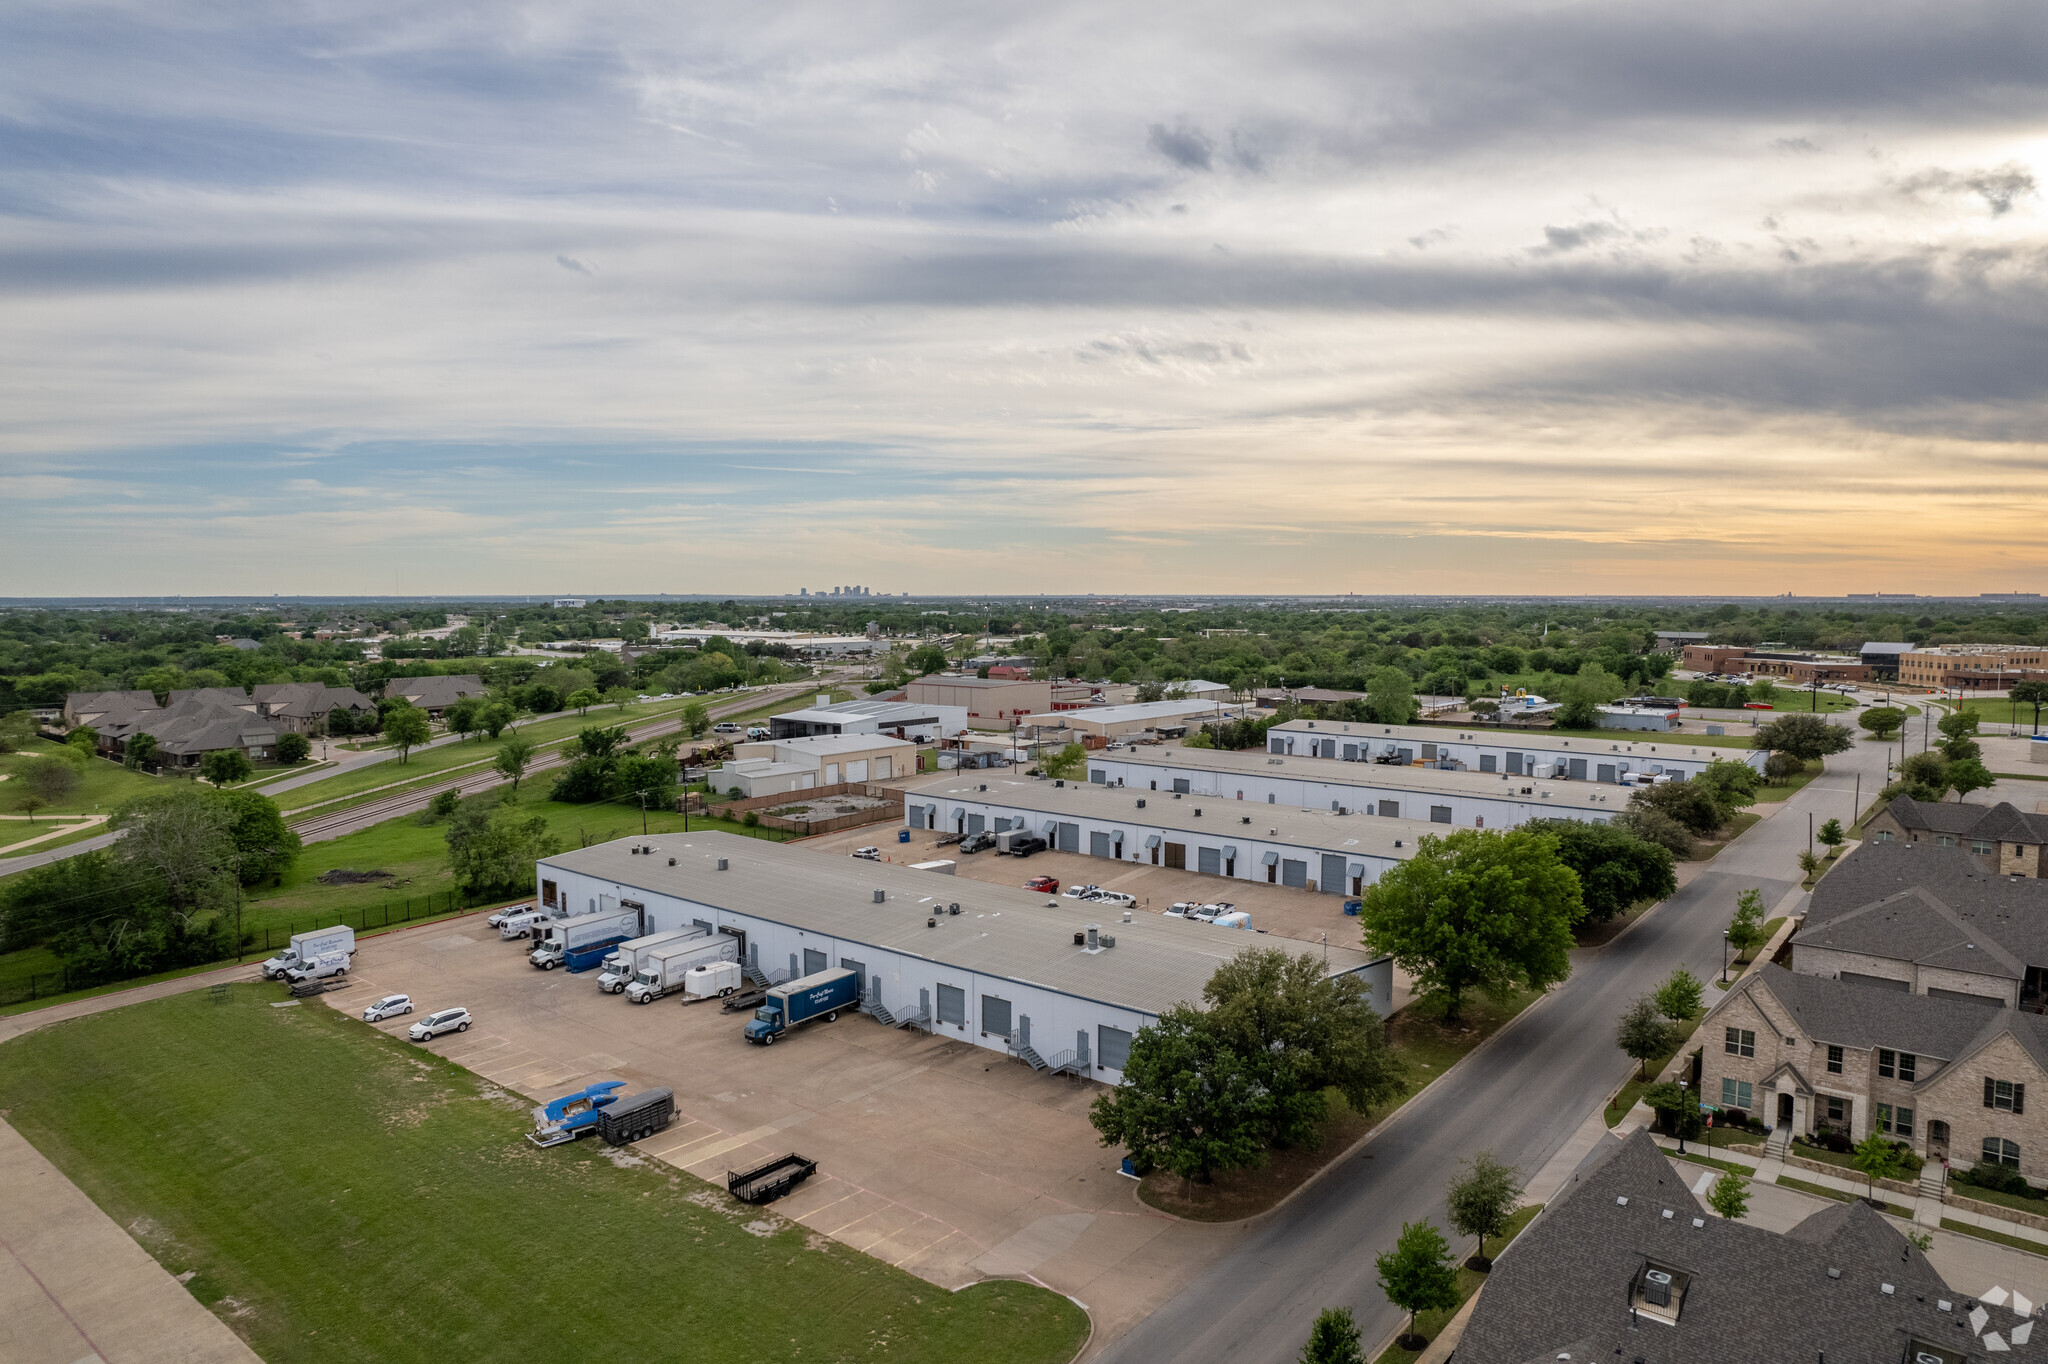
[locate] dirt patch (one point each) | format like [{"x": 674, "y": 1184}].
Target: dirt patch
[
  {"x": 1238, "y": 1194},
  {"x": 826, "y": 807},
  {"x": 342, "y": 876}
]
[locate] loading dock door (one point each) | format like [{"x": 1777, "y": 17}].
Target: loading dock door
[
  {"x": 1180, "y": 786},
  {"x": 1514, "y": 764},
  {"x": 1293, "y": 873},
  {"x": 1578, "y": 769},
  {"x": 1003, "y": 823},
  {"x": 815, "y": 961},
  {"x": 860, "y": 971},
  {"x": 1606, "y": 773},
  {"x": 952, "y": 1004},
  {"x": 995, "y": 1016},
  {"x": 1070, "y": 838},
  {"x": 1439, "y": 814},
  {"x": 1098, "y": 843},
  {"x": 1351, "y": 753},
  {"x": 916, "y": 813},
  {"x": 975, "y": 824},
  {"x": 1390, "y": 809},
  {"x": 1209, "y": 861},
  {"x": 1177, "y": 856},
  {"x": 1112, "y": 1048},
  {"x": 1488, "y": 763},
  {"x": 1331, "y": 882},
  {"x": 1098, "y": 777}
]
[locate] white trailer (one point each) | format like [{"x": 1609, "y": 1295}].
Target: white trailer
[
  {"x": 712, "y": 980},
  {"x": 665, "y": 969},
  {"x": 624, "y": 961},
  {"x": 305, "y": 947}
]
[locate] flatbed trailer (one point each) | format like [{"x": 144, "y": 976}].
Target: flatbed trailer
[
  {"x": 746, "y": 999},
  {"x": 770, "y": 1180}
]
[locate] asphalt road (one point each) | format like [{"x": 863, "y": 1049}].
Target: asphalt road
[{"x": 1520, "y": 1096}]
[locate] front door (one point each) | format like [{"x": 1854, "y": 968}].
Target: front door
[
  {"x": 1784, "y": 1110},
  {"x": 1177, "y": 856},
  {"x": 1937, "y": 1141}
]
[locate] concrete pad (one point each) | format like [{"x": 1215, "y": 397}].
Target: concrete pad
[
  {"x": 74, "y": 1287},
  {"x": 1026, "y": 1250}
]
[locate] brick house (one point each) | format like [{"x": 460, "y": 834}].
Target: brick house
[
  {"x": 2006, "y": 839},
  {"x": 1808, "y": 1055},
  {"x": 303, "y": 707},
  {"x": 435, "y": 694}
]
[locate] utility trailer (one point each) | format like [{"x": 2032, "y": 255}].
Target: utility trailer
[
  {"x": 573, "y": 1115},
  {"x": 640, "y": 1116},
  {"x": 746, "y": 999},
  {"x": 767, "y": 1182}
]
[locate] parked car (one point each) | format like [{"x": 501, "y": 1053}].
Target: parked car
[
  {"x": 870, "y": 854},
  {"x": 1196, "y": 909},
  {"x": 1082, "y": 892},
  {"x": 1045, "y": 885},
  {"x": 1113, "y": 897},
  {"x": 507, "y": 912},
  {"x": 434, "y": 1024},
  {"x": 757, "y": 731},
  {"x": 980, "y": 842},
  {"x": 391, "y": 1006}
]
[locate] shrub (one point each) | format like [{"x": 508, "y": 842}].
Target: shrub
[
  {"x": 1998, "y": 1178},
  {"x": 751, "y": 819}
]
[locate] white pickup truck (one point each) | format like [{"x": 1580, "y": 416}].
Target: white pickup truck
[
  {"x": 1222, "y": 914},
  {"x": 522, "y": 924}
]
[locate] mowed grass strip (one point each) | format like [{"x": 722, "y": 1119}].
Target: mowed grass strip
[{"x": 340, "y": 1195}]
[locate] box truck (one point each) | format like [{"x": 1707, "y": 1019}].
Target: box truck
[
  {"x": 582, "y": 942},
  {"x": 623, "y": 961},
  {"x": 664, "y": 969},
  {"x": 821, "y": 995},
  {"x": 305, "y": 947}
]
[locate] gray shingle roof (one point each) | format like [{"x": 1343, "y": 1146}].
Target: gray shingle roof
[
  {"x": 1754, "y": 1295},
  {"x": 1849, "y": 1014},
  {"x": 2001, "y": 821},
  {"x": 435, "y": 693},
  {"x": 1961, "y": 902},
  {"x": 308, "y": 699}
]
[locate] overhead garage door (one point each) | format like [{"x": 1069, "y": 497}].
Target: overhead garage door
[
  {"x": 1177, "y": 856},
  {"x": 1180, "y": 786},
  {"x": 916, "y": 815},
  {"x": 1293, "y": 873},
  {"x": 1329, "y": 747},
  {"x": 975, "y": 824},
  {"x": 1070, "y": 838},
  {"x": 1439, "y": 814},
  {"x": 1390, "y": 809},
  {"x": 1209, "y": 861},
  {"x": 995, "y": 1015},
  {"x": 1098, "y": 843},
  {"x": 1578, "y": 769},
  {"x": 952, "y": 1004},
  {"x": 1003, "y": 823},
  {"x": 1514, "y": 764},
  {"x": 1331, "y": 882},
  {"x": 1606, "y": 773},
  {"x": 1488, "y": 763},
  {"x": 857, "y": 771},
  {"x": 1351, "y": 753},
  {"x": 1098, "y": 777},
  {"x": 1112, "y": 1048},
  {"x": 860, "y": 971},
  {"x": 815, "y": 961}
]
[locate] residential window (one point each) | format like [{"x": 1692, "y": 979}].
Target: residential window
[
  {"x": 1900, "y": 1065},
  {"x": 1736, "y": 1093},
  {"x": 1741, "y": 1042},
  {"x": 1897, "y": 1121},
  {"x": 1982, "y": 846},
  {"x": 1833, "y": 1108},
  {"x": 1909, "y": 1064},
  {"x": 1881, "y": 836},
  {"x": 1834, "y": 1060},
  {"x": 1944, "y": 840},
  {"x": 2005, "y": 1096},
  {"x": 1999, "y": 1151}
]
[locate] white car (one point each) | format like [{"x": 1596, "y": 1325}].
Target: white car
[
  {"x": 868, "y": 854},
  {"x": 1082, "y": 892},
  {"x": 391, "y": 1006},
  {"x": 433, "y": 1025},
  {"x": 1114, "y": 897},
  {"x": 1189, "y": 909},
  {"x": 507, "y": 912}
]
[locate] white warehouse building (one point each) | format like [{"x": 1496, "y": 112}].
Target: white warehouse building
[
  {"x": 1318, "y": 850},
  {"x": 1008, "y": 972},
  {"x": 1470, "y": 800},
  {"x": 1503, "y": 751}
]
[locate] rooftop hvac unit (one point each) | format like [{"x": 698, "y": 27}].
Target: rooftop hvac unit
[
  {"x": 1105, "y": 940},
  {"x": 1657, "y": 1288}
]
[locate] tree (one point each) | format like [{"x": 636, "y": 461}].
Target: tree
[
  {"x": 139, "y": 750},
  {"x": 2028, "y": 693},
  {"x": 226, "y": 766},
  {"x": 406, "y": 726},
  {"x": 1492, "y": 908},
  {"x": 1805, "y": 737},
  {"x": 1882, "y": 721},
  {"x": 1692, "y": 804},
  {"x": 596, "y": 741},
  {"x": 1188, "y": 1102},
  {"x": 491, "y": 846},
  {"x": 49, "y": 781},
  {"x": 696, "y": 719},
  {"x": 495, "y": 718},
  {"x": 1968, "y": 775},
  {"x": 29, "y": 803},
  {"x": 1831, "y": 835},
  {"x": 1746, "y": 929},
  {"x": 1677, "y": 1106},
  {"x": 512, "y": 758},
  {"x": 638, "y": 776},
  {"x": 1958, "y": 724},
  {"x": 1809, "y": 863},
  {"x": 1784, "y": 766},
  {"x": 1729, "y": 1195},
  {"x": 1333, "y": 1339},
  {"x": 1389, "y": 696},
  {"x": 461, "y": 717},
  {"x": 620, "y": 697},
  {"x": 1925, "y": 775},
  {"x": 1731, "y": 785},
  {"x": 1417, "y": 1276},
  {"x": 1617, "y": 869},
  {"x": 1878, "y": 1157},
  {"x": 1067, "y": 765},
  {"x": 85, "y": 739},
  {"x": 929, "y": 658},
  {"x": 582, "y": 699},
  {"x": 183, "y": 840},
  {"x": 1483, "y": 1199},
  {"x": 265, "y": 845},
  {"x": 1655, "y": 826},
  {"x": 293, "y": 748},
  {"x": 1681, "y": 997},
  {"x": 1642, "y": 1034},
  {"x": 17, "y": 731}
]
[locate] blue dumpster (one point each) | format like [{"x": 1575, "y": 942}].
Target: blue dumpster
[{"x": 903, "y": 835}]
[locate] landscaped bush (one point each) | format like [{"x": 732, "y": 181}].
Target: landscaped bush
[{"x": 1998, "y": 1178}]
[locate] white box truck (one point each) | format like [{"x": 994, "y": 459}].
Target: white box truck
[
  {"x": 624, "y": 962},
  {"x": 713, "y": 980},
  {"x": 526, "y": 923},
  {"x": 664, "y": 969},
  {"x": 580, "y": 943},
  {"x": 305, "y": 947}
]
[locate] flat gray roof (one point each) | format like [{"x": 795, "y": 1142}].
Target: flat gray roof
[
  {"x": 1334, "y": 771},
  {"x": 1505, "y": 737},
  {"x": 1157, "y": 962},
  {"x": 1221, "y": 821}
]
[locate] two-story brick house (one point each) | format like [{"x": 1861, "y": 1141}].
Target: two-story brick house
[
  {"x": 2006, "y": 839},
  {"x": 1808, "y": 1054}
]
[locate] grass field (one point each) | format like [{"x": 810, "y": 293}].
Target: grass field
[
  {"x": 1782, "y": 790},
  {"x": 339, "y": 1195},
  {"x": 102, "y": 786}
]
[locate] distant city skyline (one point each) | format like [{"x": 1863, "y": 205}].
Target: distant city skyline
[{"x": 1604, "y": 299}]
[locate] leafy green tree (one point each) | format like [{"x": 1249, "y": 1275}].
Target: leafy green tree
[
  {"x": 1681, "y": 997},
  {"x": 1657, "y": 827},
  {"x": 1189, "y": 1103},
  {"x": 1783, "y": 766},
  {"x": 293, "y": 747},
  {"x": 181, "y": 839},
  {"x": 265, "y": 846},
  {"x": 1925, "y": 775},
  {"x": 696, "y": 719},
  {"x": 461, "y": 718},
  {"x": 139, "y": 750},
  {"x": 582, "y": 699},
  {"x": 226, "y": 766},
  {"x": 926, "y": 660},
  {"x": 1483, "y": 1198},
  {"x": 1677, "y": 1107},
  {"x": 493, "y": 846},
  {"x": 1417, "y": 1276},
  {"x": 1805, "y": 737},
  {"x": 406, "y": 726},
  {"x": 1878, "y": 1157},
  {"x": 1967, "y": 775},
  {"x": 638, "y": 776},
  {"x": 1390, "y": 696},
  {"x": 50, "y": 782},
  {"x": 1333, "y": 1339},
  {"x": 1809, "y": 863},
  {"x": 620, "y": 697},
  {"x": 1958, "y": 724},
  {"x": 2028, "y": 693},
  {"x": 513, "y": 755},
  {"x": 28, "y": 803},
  {"x": 1492, "y": 908},
  {"x": 1729, "y": 1196},
  {"x": 1830, "y": 834},
  {"x": 1068, "y": 764},
  {"x": 17, "y": 731},
  {"x": 1882, "y": 721},
  {"x": 1642, "y": 1034},
  {"x": 1746, "y": 929},
  {"x": 85, "y": 739},
  {"x": 1732, "y": 785},
  {"x": 1616, "y": 868},
  {"x": 596, "y": 741},
  {"x": 495, "y": 718}
]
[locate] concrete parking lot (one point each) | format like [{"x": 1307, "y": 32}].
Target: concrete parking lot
[{"x": 938, "y": 1157}]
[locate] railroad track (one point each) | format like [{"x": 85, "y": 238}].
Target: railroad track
[{"x": 319, "y": 827}]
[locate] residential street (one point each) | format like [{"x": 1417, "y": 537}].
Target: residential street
[{"x": 1520, "y": 1096}]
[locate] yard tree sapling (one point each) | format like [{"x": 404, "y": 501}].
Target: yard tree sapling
[
  {"x": 1746, "y": 929},
  {"x": 1831, "y": 836},
  {"x": 1483, "y": 1198},
  {"x": 1968, "y": 774},
  {"x": 1681, "y": 998},
  {"x": 1333, "y": 1339},
  {"x": 1642, "y": 1034},
  {"x": 1729, "y": 1196},
  {"x": 406, "y": 726},
  {"x": 1878, "y": 1157},
  {"x": 1417, "y": 1276},
  {"x": 513, "y": 755},
  {"x": 696, "y": 719}
]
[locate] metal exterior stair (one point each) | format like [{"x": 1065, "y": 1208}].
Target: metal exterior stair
[{"x": 1028, "y": 1054}]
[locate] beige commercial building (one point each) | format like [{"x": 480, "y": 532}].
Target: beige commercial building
[
  {"x": 990, "y": 702},
  {"x": 771, "y": 767},
  {"x": 1973, "y": 667}
]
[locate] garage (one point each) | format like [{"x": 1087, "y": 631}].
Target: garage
[
  {"x": 1294, "y": 872},
  {"x": 1098, "y": 843},
  {"x": 1331, "y": 879}
]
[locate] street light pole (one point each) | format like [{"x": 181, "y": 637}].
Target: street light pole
[{"x": 1724, "y": 956}]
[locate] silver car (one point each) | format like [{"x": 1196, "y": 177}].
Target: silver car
[
  {"x": 434, "y": 1024},
  {"x": 391, "y": 1006}
]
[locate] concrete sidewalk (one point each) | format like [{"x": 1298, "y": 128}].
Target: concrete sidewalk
[{"x": 75, "y": 1288}]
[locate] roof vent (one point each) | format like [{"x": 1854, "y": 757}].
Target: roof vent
[
  {"x": 721, "y": 864},
  {"x": 1397, "y": 842},
  {"x": 1106, "y": 940},
  {"x": 1886, "y": 1289},
  {"x": 1198, "y": 812},
  {"x": 671, "y": 861},
  {"x": 1834, "y": 1273},
  {"x": 881, "y": 896},
  {"x": 955, "y": 908},
  {"x": 1621, "y": 1201},
  {"x": 1141, "y": 802},
  {"x": 1246, "y": 820},
  {"x": 931, "y": 923}
]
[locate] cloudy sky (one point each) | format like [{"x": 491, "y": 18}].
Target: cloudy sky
[{"x": 334, "y": 297}]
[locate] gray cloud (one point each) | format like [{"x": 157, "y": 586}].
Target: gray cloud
[
  {"x": 571, "y": 263},
  {"x": 1998, "y": 188},
  {"x": 1189, "y": 148},
  {"x": 1557, "y": 240}
]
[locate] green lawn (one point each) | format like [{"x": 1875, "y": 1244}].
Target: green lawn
[
  {"x": 2001, "y": 714},
  {"x": 1646, "y": 1075},
  {"x": 2017, "y": 1202},
  {"x": 337, "y": 1194},
  {"x": 1781, "y": 790},
  {"x": 16, "y": 830},
  {"x": 1431, "y": 1323},
  {"x": 103, "y": 785},
  {"x": 1823, "y": 1191}
]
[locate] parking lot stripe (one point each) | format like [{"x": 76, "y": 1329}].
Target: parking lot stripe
[{"x": 950, "y": 1234}]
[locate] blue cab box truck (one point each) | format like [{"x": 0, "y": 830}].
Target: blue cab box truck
[{"x": 821, "y": 995}]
